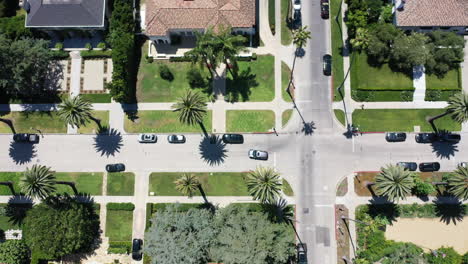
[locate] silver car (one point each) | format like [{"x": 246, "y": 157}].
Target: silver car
[
  {"x": 258, "y": 154},
  {"x": 147, "y": 138},
  {"x": 463, "y": 164},
  {"x": 176, "y": 139}
]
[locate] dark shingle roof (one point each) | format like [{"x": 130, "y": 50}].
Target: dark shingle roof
[{"x": 65, "y": 13}]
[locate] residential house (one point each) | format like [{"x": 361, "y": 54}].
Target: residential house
[{"x": 428, "y": 15}]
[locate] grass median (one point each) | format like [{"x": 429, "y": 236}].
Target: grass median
[
  {"x": 249, "y": 120},
  {"x": 120, "y": 183},
  {"x": 30, "y": 122},
  {"x": 337, "y": 47}
]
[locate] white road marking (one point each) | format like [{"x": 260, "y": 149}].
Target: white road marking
[
  {"x": 274, "y": 160},
  {"x": 323, "y": 205},
  {"x": 353, "y": 143}
]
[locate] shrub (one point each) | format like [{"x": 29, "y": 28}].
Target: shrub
[
  {"x": 375, "y": 246},
  {"x": 245, "y": 58},
  {"x": 102, "y": 45},
  {"x": 112, "y": 250},
  {"x": 88, "y": 46},
  {"x": 59, "y": 54},
  {"x": 433, "y": 95},
  {"x": 406, "y": 96},
  {"x": 91, "y": 54},
  {"x": 444, "y": 255},
  {"x": 465, "y": 258},
  {"x": 195, "y": 78},
  {"x": 166, "y": 73},
  {"x": 254, "y": 56},
  {"x": 59, "y": 45},
  {"x": 422, "y": 188},
  {"x": 119, "y": 247},
  {"x": 180, "y": 59},
  {"x": 149, "y": 59},
  {"x": 121, "y": 206}
]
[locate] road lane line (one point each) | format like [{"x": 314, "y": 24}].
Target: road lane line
[{"x": 274, "y": 160}]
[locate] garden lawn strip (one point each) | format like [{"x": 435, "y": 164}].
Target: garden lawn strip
[
  {"x": 85, "y": 182},
  {"x": 286, "y": 116},
  {"x": 250, "y": 120},
  {"x": 119, "y": 224},
  {"x": 271, "y": 15},
  {"x": 29, "y": 122},
  {"x": 287, "y": 188},
  {"x": 285, "y": 78},
  {"x": 286, "y": 34},
  {"x": 340, "y": 116},
  {"x": 451, "y": 81},
  {"x": 91, "y": 126},
  {"x": 120, "y": 183},
  {"x": 10, "y": 177},
  {"x": 97, "y": 98},
  {"x": 337, "y": 47}
]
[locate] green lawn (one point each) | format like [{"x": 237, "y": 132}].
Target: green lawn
[
  {"x": 286, "y": 116},
  {"x": 380, "y": 120},
  {"x": 337, "y": 45},
  {"x": 271, "y": 15},
  {"x": 451, "y": 81},
  {"x": 285, "y": 76},
  {"x": 255, "y": 83},
  {"x": 119, "y": 225},
  {"x": 249, "y": 120},
  {"x": 164, "y": 121},
  {"x": 340, "y": 116},
  {"x": 152, "y": 88},
  {"x": 10, "y": 177},
  {"x": 286, "y": 35},
  {"x": 120, "y": 183},
  {"x": 214, "y": 184},
  {"x": 28, "y": 122},
  {"x": 92, "y": 127},
  {"x": 97, "y": 98},
  {"x": 85, "y": 182},
  {"x": 287, "y": 188},
  {"x": 365, "y": 77}
]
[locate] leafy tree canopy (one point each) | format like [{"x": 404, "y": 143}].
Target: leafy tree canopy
[
  {"x": 13, "y": 27},
  {"x": 410, "y": 50},
  {"x": 444, "y": 255},
  {"x": 14, "y": 252},
  {"x": 407, "y": 253}
]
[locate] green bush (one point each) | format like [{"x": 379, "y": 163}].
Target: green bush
[
  {"x": 88, "y": 46},
  {"x": 444, "y": 255},
  {"x": 102, "y": 45},
  {"x": 120, "y": 247},
  {"x": 121, "y": 206},
  {"x": 180, "y": 59},
  {"x": 422, "y": 188},
  {"x": 92, "y": 54},
  {"x": 465, "y": 258},
  {"x": 406, "y": 96},
  {"x": 247, "y": 58},
  {"x": 166, "y": 73},
  {"x": 112, "y": 250},
  {"x": 195, "y": 78},
  {"x": 375, "y": 246},
  {"x": 59, "y": 54},
  {"x": 59, "y": 45},
  {"x": 149, "y": 59},
  {"x": 433, "y": 95},
  {"x": 254, "y": 56}
]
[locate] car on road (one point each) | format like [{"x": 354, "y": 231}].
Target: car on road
[
  {"x": 411, "y": 166},
  {"x": 26, "y": 138},
  {"x": 117, "y": 167},
  {"x": 395, "y": 136},
  {"x": 137, "y": 253},
  {"x": 429, "y": 166},
  {"x": 258, "y": 154},
  {"x": 449, "y": 137},
  {"x": 297, "y": 4},
  {"x": 147, "y": 138},
  {"x": 463, "y": 164},
  {"x": 233, "y": 139},
  {"x": 301, "y": 253},
  {"x": 297, "y": 19},
  {"x": 425, "y": 137},
  {"x": 327, "y": 64},
  {"x": 324, "y": 9},
  {"x": 176, "y": 139}
]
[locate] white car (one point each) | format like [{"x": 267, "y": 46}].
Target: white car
[
  {"x": 463, "y": 164},
  {"x": 258, "y": 154},
  {"x": 297, "y": 4},
  {"x": 147, "y": 138},
  {"x": 180, "y": 139}
]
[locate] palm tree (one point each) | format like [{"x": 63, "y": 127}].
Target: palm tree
[
  {"x": 77, "y": 112},
  {"x": 264, "y": 184},
  {"x": 458, "y": 183},
  {"x": 38, "y": 182},
  {"x": 300, "y": 37},
  {"x": 188, "y": 184},
  {"x": 394, "y": 182},
  {"x": 457, "y": 108},
  {"x": 227, "y": 47},
  {"x": 192, "y": 109},
  {"x": 203, "y": 53}
]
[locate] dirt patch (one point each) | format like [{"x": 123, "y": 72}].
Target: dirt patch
[
  {"x": 341, "y": 233},
  {"x": 430, "y": 233},
  {"x": 342, "y": 187}
]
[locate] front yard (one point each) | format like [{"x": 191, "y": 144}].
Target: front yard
[
  {"x": 164, "y": 121},
  {"x": 119, "y": 225},
  {"x": 249, "y": 120},
  {"x": 441, "y": 89},
  {"x": 286, "y": 34},
  {"x": 29, "y": 122},
  {"x": 120, "y": 183},
  {"x": 92, "y": 127}
]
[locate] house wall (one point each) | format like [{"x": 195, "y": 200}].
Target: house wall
[
  {"x": 191, "y": 32},
  {"x": 457, "y": 30}
]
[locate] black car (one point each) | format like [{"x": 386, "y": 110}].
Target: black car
[
  {"x": 136, "y": 249},
  {"x": 411, "y": 166},
  {"x": 429, "y": 166},
  {"x": 327, "y": 64},
  {"x": 425, "y": 137},
  {"x": 26, "y": 138},
  {"x": 324, "y": 9},
  {"x": 297, "y": 19},
  {"x": 233, "y": 138},
  {"x": 301, "y": 253},
  {"x": 115, "y": 167},
  {"x": 452, "y": 138},
  {"x": 395, "y": 136}
]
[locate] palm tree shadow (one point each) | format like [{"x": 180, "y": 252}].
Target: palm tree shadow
[
  {"x": 17, "y": 207},
  {"x": 108, "y": 142},
  {"x": 22, "y": 153},
  {"x": 213, "y": 150},
  {"x": 381, "y": 206},
  {"x": 240, "y": 87},
  {"x": 308, "y": 128},
  {"x": 444, "y": 150},
  {"x": 449, "y": 209}
]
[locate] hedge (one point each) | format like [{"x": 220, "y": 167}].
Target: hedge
[
  {"x": 119, "y": 247},
  {"x": 59, "y": 54},
  {"x": 91, "y": 54},
  {"x": 180, "y": 59},
  {"x": 121, "y": 206}
]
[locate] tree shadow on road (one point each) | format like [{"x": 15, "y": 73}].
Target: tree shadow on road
[
  {"x": 22, "y": 153},
  {"x": 213, "y": 150},
  {"x": 449, "y": 209},
  {"x": 308, "y": 128},
  {"x": 444, "y": 150},
  {"x": 108, "y": 142}
]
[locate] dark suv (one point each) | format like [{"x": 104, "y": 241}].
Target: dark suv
[
  {"x": 233, "y": 138},
  {"x": 115, "y": 167},
  {"x": 26, "y": 138},
  {"x": 136, "y": 249},
  {"x": 327, "y": 64},
  {"x": 411, "y": 166},
  {"x": 425, "y": 137},
  {"x": 452, "y": 138},
  {"x": 429, "y": 166},
  {"x": 301, "y": 253},
  {"x": 395, "y": 136}
]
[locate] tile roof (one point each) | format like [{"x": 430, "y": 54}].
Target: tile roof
[
  {"x": 164, "y": 15},
  {"x": 433, "y": 13},
  {"x": 65, "y": 13}
]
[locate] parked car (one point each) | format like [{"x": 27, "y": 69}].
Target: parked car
[
  {"x": 449, "y": 137},
  {"x": 233, "y": 138},
  {"x": 176, "y": 139},
  {"x": 463, "y": 164},
  {"x": 258, "y": 154},
  {"x": 137, "y": 253},
  {"x": 327, "y": 64},
  {"x": 147, "y": 138},
  {"x": 297, "y": 19},
  {"x": 411, "y": 166},
  {"x": 324, "y": 9},
  {"x": 429, "y": 166},
  {"x": 395, "y": 136},
  {"x": 425, "y": 137},
  {"x": 26, "y": 138},
  {"x": 297, "y": 4},
  {"x": 301, "y": 253},
  {"x": 115, "y": 167}
]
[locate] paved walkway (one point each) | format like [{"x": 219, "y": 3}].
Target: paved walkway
[{"x": 419, "y": 83}]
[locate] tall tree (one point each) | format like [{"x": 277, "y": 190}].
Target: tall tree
[
  {"x": 410, "y": 51},
  {"x": 180, "y": 237},
  {"x": 228, "y": 47},
  {"x": 14, "y": 252},
  {"x": 447, "y": 52},
  {"x": 204, "y": 53},
  {"x": 13, "y": 27},
  {"x": 38, "y": 182},
  {"x": 264, "y": 184},
  {"x": 188, "y": 184},
  {"x": 457, "y": 108},
  {"x": 381, "y": 38},
  {"x": 77, "y": 112},
  {"x": 394, "y": 182},
  {"x": 301, "y": 36},
  {"x": 192, "y": 109},
  {"x": 458, "y": 183}
]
